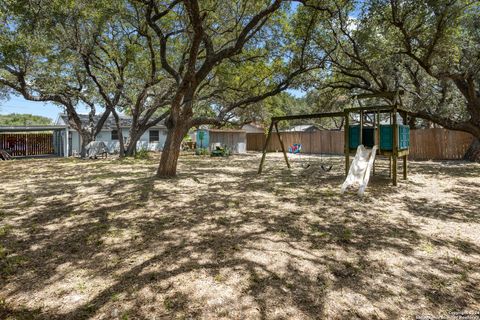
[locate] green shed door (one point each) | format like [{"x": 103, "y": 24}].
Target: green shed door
[
  {"x": 353, "y": 136},
  {"x": 386, "y": 137},
  {"x": 403, "y": 137}
]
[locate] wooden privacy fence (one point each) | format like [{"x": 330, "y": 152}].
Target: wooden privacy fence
[
  {"x": 438, "y": 144},
  {"x": 425, "y": 144},
  {"x": 27, "y": 144},
  {"x": 312, "y": 142}
]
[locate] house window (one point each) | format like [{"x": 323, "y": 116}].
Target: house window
[
  {"x": 154, "y": 134},
  {"x": 114, "y": 135}
]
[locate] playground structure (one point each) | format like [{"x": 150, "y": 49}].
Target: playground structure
[{"x": 392, "y": 139}]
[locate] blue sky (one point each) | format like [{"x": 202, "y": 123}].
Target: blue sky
[{"x": 20, "y": 105}]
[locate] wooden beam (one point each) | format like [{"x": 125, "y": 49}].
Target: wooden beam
[
  {"x": 360, "y": 136},
  {"x": 394, "y": 170},
  {"x": 265, "y": 147},
  {"x": 390, "y": 166},
  {"x": 376, "y": 132},
  {"x": 395, "y": 146},
  {"x": 371, "y": 109},
  {"x": 375, "y": 108},
  {"x": 309, "y": 116},
  {"x": 281, "y": 145}
]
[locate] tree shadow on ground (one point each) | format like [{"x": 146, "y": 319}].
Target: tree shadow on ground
[{"x": 220, "y": 241}]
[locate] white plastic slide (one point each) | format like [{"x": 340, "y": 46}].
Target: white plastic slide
[{"x": 360, "y": 169}]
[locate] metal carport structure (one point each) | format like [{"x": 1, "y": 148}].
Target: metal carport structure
[{"x": 21, "y": 139}]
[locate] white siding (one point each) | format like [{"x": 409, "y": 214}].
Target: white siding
[
  {"x": 114, "y": 145},
  {"x": 143, "y": 143},
  {"x": 106, "y": 136},
  {"x": 75, "y": 144}
]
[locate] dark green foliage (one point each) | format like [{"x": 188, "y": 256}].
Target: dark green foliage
[{"x": 142, "y": 154}]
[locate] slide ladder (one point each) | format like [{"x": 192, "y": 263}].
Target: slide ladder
[{"x": 359, "y": 172}]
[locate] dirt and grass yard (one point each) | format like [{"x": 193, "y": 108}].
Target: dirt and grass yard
[{"x": 104, "y": 239}]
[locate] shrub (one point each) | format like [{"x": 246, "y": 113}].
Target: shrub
[
  {"x": 142, "y": 154},
  {"x": 202, "y": 152}
]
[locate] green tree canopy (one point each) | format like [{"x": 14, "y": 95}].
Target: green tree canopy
[
  {"x": 18, "y": 119},
  {"x": 429, "y": 49}
]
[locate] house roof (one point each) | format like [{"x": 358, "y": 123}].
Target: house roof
[
  {"x": 125, "y": 122},
  {"x": 30, "y": 128},
  {"x": 303, "y": 127},
  {"x": 223, "y": 130},
  {"x": 254, "y": 124},
  {"x": 227, "y": 130}
]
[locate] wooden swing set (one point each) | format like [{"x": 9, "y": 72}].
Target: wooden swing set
[{"x": 392, "y": 139}]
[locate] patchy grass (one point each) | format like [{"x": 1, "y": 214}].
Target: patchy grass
[{"x": 104, "y": 239}]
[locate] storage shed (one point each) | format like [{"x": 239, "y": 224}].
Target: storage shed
[{"x": 234, "y": 140}]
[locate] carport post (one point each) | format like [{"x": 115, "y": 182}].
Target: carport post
[{"x": 65, "y": 152}]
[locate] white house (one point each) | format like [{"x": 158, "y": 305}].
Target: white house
[
  {"x": 303, "y": 128},
  {"x": 153, "y": 139}
]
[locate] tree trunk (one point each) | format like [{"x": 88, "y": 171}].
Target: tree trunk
[
  {"x": 122, "y": 145},
  {"x": 83, "y": 150},
  {"x": 131, "y": 147},
  {"x": 473, "y": 152},
  {"x": 86, "y": 139},
  {"x": 412, "y": 122},
  {"x": 171, "y": 152},
  {"x": 120, "y": 134},
  {"x": 132, "y": 143}
]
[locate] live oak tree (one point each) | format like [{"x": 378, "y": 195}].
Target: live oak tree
[
  {"x": 195, "y": 39},
  {"x": 120, "y": 60},
  {"x": 114, "y": 57},
  {"x": 363, "y": 60},
  {"x": 108, "y": 43},
  {"x": 443, "y": 39},
  {"x": 33, "y": 65},
  {"x": 188, "y": 63},
  {"x": 251, "y": 86},
  {"x": 81, "y": 54},
  {"x": 429, "y": 49},
  {"x": 110, "y": 54}
]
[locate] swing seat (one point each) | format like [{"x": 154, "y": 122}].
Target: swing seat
[{"x": 326, "y": 168}]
